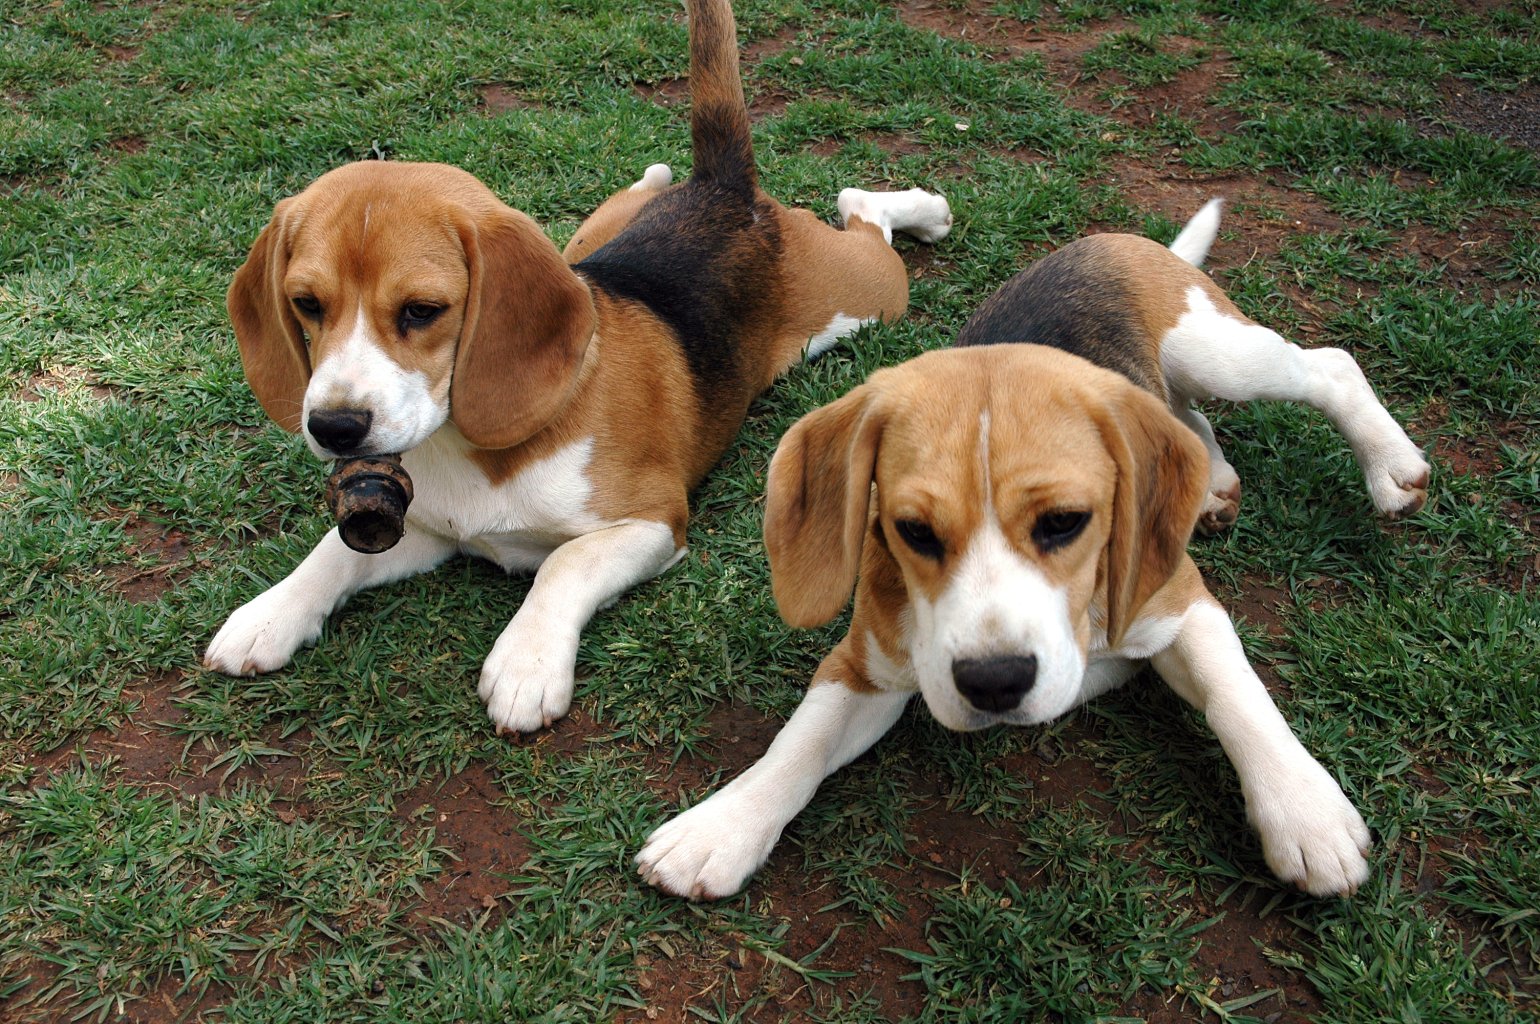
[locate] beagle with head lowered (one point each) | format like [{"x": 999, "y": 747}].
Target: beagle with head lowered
[
  {"x": 552, "y": 417},
  {"x": 1025, "y": 546}
]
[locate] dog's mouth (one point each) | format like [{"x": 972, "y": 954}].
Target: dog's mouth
[{"x": 960, "y": 717}]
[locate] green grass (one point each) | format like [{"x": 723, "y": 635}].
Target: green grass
[{"x": 285, "y": 848}]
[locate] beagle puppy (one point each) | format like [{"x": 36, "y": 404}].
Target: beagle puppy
[
  {"x": 553, "y": 409},
  {"x": 1014, "y": 521}
]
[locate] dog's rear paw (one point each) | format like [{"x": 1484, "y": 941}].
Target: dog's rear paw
[
  {"x": 920, "y": 214},
  {"x": 707, "y": 852},
  {"x": 932, "y": 217},
  {"x": 655, "y": 178},
  {"x": 1312, "y": 836},
  {"x": 1220, "y": 511},
  {"x": 526, "y": 682}
]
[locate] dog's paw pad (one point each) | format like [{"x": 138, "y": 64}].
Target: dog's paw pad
[{"x": 1220, "y": 511}]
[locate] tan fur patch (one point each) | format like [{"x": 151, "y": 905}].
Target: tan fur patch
[
  {"x": 853, "y": 272},
  {"x": 1157, "y": 280}
]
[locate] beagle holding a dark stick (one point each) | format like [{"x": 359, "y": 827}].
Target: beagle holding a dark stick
[
  {"x": 552, "y": 417},
  {"x": 1024, "y": 546}
]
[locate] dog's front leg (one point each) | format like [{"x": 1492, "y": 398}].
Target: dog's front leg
[
  {"x": 710, "y": 850},
  {"x": 1311, "y": 834},
  {"x": 526, "y": 681},
  {"x": 263, "y": 634}
]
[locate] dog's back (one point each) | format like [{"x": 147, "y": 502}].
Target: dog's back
[
  {"x": 1106, "y": 298},
  {"x": 701, "y": 255}
]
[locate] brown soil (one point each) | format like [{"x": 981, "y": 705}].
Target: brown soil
[
  {"x": 484, "y": 840},
  {"x": 495, "y": 99},
  {"x": 167, "y": 550}
]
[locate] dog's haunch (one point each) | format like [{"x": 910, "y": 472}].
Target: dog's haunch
[{"x": 369, "y": 497}]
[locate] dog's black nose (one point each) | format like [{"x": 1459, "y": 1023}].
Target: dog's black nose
[
  {"x": 995, "y": 684},
  {"x": 340, "y": 430}
]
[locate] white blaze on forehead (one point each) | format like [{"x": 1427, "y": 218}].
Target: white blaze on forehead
[
  {"x": 989, "y": 490},
  {"x": 348, "y": 374}
]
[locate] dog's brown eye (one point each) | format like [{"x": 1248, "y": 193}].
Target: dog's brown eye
[
  {"x": 419, "y": 314},
  {"x": 920, "y": 537},
  {"x": 1055, "y": 529},
  {"x": 307, "y": 306}
]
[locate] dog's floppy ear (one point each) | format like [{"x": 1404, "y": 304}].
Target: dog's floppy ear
[
  {"x": 528, "y": 321},
  {"x": 273, "y": 353},
  {"x": 1162, "y": 470},
  {"x": 817, "y": 498}
]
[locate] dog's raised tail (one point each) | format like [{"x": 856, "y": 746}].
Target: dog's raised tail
[
  {"x": 719, "y": 117},
  {"x": 1193, "y": 242}
]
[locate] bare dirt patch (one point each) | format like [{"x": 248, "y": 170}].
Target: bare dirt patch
[
  {"x": 670, "y": 92},
  {"x": 483, "y": 838},
  {"x": 1260, "y": 604},
  {"x": 1513, "y": 117},
  {"x": 149, "y": 751},
  {"x": 56, "y": 381},
  {"x": 1003, "y": 36},
  {"x": 498, "y": 98},
  {"x": 169, "y": 551},
  {"x": 1234, "y": 951},
  {"x": 893, "y": 145}
]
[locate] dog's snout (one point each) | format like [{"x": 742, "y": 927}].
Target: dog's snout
[
  {"x": 995, "y": 684},
  {"x": 340, "y": 430}
]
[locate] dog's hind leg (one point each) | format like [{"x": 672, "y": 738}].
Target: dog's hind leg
[
  {"x": 1216, "y": 352},
  {"x": 1222, "y": 505},
  {"x": 918, "y": 213},
  {"x": 612, "y": 216},
  {"x": 838, "y": 280}
]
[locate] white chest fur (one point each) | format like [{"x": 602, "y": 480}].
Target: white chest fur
[{"x": 516, "y": 523}]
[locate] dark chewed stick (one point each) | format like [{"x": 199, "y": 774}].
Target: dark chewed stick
[{"x": 369, "y": 497}]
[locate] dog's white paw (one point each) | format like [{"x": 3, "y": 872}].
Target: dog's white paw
[
  {"x": 1312, "y": 835},
  {"x": 1397, "y": 477},
  {"x": 654, "y": 179},
  {"x": 929, "y": 217},
  {"x": 527, "y": 680},
  {"x": 707, "y": 852},
  {"x": 921, "y": 214},
  {"x": 262, "y": 635}
]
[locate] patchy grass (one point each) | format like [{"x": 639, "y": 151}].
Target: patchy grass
[{"x": 346, "y": 840}]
